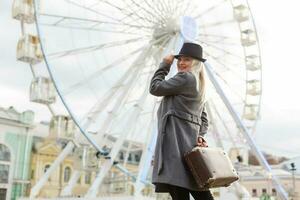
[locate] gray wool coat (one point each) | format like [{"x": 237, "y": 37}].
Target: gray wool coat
[{"x": 181, "y": 119}]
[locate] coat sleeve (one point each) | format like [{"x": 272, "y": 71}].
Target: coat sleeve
[
  {"x": 173, "y": 86},
  {"x": 204, "y": 125}
]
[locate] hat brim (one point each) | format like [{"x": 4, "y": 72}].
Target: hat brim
[{"x": 200, "y": 59}]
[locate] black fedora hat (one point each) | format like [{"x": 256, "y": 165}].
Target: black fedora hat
[{"x": 191, "y": 49}]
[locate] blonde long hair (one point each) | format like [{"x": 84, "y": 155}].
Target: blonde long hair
[{"x": 198, "y": 71}]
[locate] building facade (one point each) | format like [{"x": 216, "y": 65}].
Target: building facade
[
  {"x": 27, "y": 152},
  {"x": 15, "y": 150}
]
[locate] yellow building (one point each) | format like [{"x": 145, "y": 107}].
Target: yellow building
[{"x": 46, "y": 151}]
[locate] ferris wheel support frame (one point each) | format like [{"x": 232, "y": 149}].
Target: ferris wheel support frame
[
  {"x": 123, "y": 95},
  {"x": 218, "y": 115},
  {"x": 236, "y": 187},
  {"x": 256, "y": 150},
  {"x": 67, "y": 190},
  {"x": 215, "y": 131},
  {"x": 146, "y": 159}
]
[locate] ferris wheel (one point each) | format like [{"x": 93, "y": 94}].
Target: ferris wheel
[{"x": 100, "y": 56}]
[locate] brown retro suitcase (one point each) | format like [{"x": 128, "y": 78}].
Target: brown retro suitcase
[{"x": 211, "y": 167}]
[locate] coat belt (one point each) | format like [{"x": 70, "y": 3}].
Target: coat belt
[{"x": 181, "y": 115}]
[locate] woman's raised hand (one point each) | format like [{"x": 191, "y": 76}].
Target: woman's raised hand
[
  {"x": 169, "y": 59},
  {"x": 201, "y": 142}
]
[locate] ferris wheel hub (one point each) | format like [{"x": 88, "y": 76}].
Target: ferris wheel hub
[{"x": 186, "y": 25}]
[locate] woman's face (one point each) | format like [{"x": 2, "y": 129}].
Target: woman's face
[{"x": 184, "y": 64}]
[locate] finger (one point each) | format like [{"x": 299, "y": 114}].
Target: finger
[{"x": 201, "y": 145}]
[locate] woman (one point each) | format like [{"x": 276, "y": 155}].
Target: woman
[{"x": 182, "y": 122}]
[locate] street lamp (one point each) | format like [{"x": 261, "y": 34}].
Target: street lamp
[{"x": 293, "y": 169}]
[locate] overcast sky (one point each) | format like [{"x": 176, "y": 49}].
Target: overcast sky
[{"x": 278, "y": 31}]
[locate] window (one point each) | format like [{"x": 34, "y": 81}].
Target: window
[
  {"x": 46, "y": 169},
  {"x": 121, "y": 156},
  {"x": 274, "y": 193},
  {"x": 4, "y": 172},
  {"x": 4, "y": 163},
  {"x": 130, "y": 157},
  {"x": 67, "y": 174},
  {"x": 264, "y": 190},
  {"x": 137, "y": 157},
  {"x": 88, "y": 177},
  {"x": 32, "y": 174},
  {"x": 4, "y": 153},
  {"x": 3, "y": 193},
  {"x": 254, "y": 192}
]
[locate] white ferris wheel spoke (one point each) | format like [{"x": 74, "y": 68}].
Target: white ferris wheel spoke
[
  {"x": 130, "y": 14},
  {"x": 136, "y": 18},
  {"x": 73, "y": 2},
  {"x": 99, "y": 72},
  {"x": 225, "y": 65},
  {"x": 95, "y": 29},
  {"x": 122, "y": 97},
  {"x": 164, "y": 6},
  {"x": 118, "y": 144},
  {"x": 220, "y": 60},
  {"x": 94, "y": 48},
  {"x": 210, "y": 9},
  {"x": 223, "y": 37},
  {"x": 159, "y": 11},
  {"x": 234, "y": 91},
  {"x": 177, "y": 7},
  {"x": 215, "y": 46},
  {"x": 106, "y": 166},
  {"x": 224, "y": 124},
  {"x": 134, "y": 13},
  {"x": 184, "y": 10},
  {"x": 218, "y": 23},
  {"x": 121, "y": 101},
  {"x": 154, "y": 10},
  {"x": 147, "y": 11},
  {"x": 119, "y": 21},
  {"x": 90, "y": 23},
  {"x": 123, "y": 94},
  {"x": 226, "y": 40},
  {"x": 129, "y": 84},
  {"x": 103, "y": 69},
  {"x": 222, "y": 42},
  {"x": 137, "y": 103},
  {"x": 101, "y": 104},
  {"x": 145, "y": 162}
]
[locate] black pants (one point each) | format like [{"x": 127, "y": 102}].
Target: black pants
[{"x": 179, "y": 193}]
